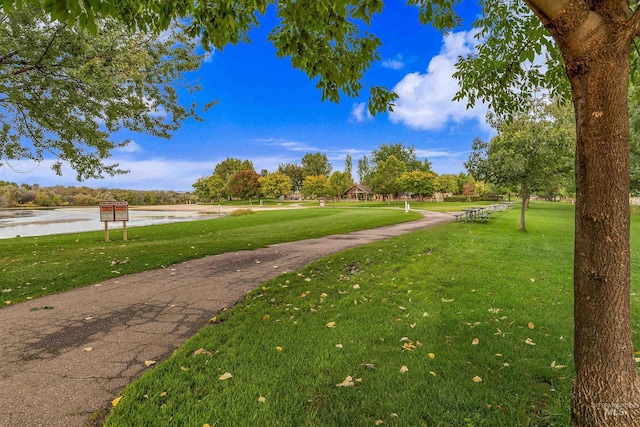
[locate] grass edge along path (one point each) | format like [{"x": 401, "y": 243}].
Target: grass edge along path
[
  {"x": 38, "y": 266},
  {"x": 462, "y": 324}
]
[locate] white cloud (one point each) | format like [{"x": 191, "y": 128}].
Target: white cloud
[
  {"x": 394, "y": 64},
  {"x": 425, "y": 100},
  {"x": 295, "y": 146},
  {"x": 360, "y": 113},
  {"x": 131, "y": 147}
]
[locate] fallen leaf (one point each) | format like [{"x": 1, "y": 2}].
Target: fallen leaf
[
  {"x": 475, "y": 341},
  {"x": 408, "y": 346},
  {"x": 331, "y": 325},
  {"x": 531, "y": 325},
  {"x": 149, "y": 362},
  {"x": 214, "y": 319},
  {"x": 115, "y": 401},
  {"x": 266, "y": 317},
  {"x": 356, "y": 286},
  {"x": 348, "y": 382},
  {"x": 477, "y": 379},
  {"x": 278, "y": 348},
  {"x": 532, "y": 280},
  {"x": 339, "y": 345},
  {"x": 413, "y": 325},
  {"x": 379, "y": 422},
  {"x": 206, "y": 425},
  {"x": 201, "y": 351},
  {"x": 554, "y": 366},
  {"x": 432, "y": 356},
  {"x": 225, "y": 376},
  {"x": 446, "y": 300},
  {"x": 403, "y": 369},
  {"x": 404, "y": 339},
  {"x": 88, "y": 349},
  {"x": 401, "y": 307},
  {"x": 369, "y": 365},
  {"x": 184, "y": 368},
  {"x": 262, "y": 399},
  {"x": 529, "y": 341},
  {"x": 163, "y": 394},
  {"x": 432, "y": 373}
]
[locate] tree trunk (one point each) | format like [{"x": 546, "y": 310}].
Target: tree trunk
[
  {"x": 607, "y": 387},
  {"x": 523, "y": 206}
]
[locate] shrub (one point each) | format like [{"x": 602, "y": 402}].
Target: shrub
[{"x": 240, "y": 212}]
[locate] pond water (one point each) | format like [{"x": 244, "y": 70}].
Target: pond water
[{"x": 42, "y": 222}]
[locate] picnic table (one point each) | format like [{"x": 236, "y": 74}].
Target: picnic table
[{"x": 471, "y": 213}]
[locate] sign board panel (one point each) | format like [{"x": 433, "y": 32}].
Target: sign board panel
[
  {"x": 114, "y": 211},
  {"x": 121, "y": 213}
]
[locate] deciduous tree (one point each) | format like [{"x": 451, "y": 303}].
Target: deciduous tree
[
  {"x": 316, "y": 164},
  {"x": 295, "y": 174},
  {"x": 275, "y": 184},
  {"x": 533, "y": 151},
  {"x": 64, "y": 93},
  {"x": 244, "y": 185},
  {"x": 385, "y": 180},
  {"x": 316, "y": 186}
]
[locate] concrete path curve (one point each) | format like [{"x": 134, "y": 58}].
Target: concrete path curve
[{"x": 49, "y": 378}]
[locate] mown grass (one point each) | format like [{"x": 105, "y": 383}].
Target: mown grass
[
  {"x": 479, "y": 314},
  {"x": 36, "y": 266}
]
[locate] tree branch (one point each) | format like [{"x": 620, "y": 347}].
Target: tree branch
[{"x": 634, "y": 23}]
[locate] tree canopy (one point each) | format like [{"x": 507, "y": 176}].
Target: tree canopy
[{"x": 64, "y": 92}]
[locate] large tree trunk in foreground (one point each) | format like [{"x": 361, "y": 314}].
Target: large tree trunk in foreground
[
  {"x": 595, "y": 45},
  {"x": 606, "y": 391}
]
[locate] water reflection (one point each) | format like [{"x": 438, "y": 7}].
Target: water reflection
[{"x": 76, "y": 220}]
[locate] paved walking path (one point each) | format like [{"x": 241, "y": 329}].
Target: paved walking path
[{"x": 47, "y": 376}]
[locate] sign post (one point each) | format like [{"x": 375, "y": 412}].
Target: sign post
[{"x": 114, "y": 211}]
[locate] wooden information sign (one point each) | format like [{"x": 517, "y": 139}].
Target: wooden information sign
[{"x": 114, "y": 211}]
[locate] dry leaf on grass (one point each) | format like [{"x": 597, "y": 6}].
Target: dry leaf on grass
[
  {"x": 408, "y": 346},
  {"x": 475, "y": 341},
  {"x": 163, "y": 394},
  {"x": 225, "y": 376},
  {"x": 529, "y": 341},
  {"x": 348, "y": 382},
  {"x": 278, "y": 348},
  {"x": 477, "y": 379},
  {"x": 404, "y": 369},
  {"x": 262, "y": 399},
  {"x": 201, "y": 351},
  {"x": 432, "y": 356},
  {"x": 531, "y": 325},
  {"x": 331, "y": 325},
  {"x": 149, "y": 362},
  {"x": 115, "y": 401}
]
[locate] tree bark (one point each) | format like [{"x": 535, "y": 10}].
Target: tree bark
[
  {"x": 606, "y": 391},
  {"x": 595, "y": 44},
  {"x": 523, "y": 206}
]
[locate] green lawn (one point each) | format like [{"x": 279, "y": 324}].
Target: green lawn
[
  {"x": 463, "y": 324},
  {"x": 36, "y": 266}
]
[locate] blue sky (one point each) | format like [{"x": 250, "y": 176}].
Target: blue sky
[{"x": 270, "y": 113}]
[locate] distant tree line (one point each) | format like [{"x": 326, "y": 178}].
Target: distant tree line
[
  {"x": 14, "y": 195},
  {"x": 390, "y": 170}
]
